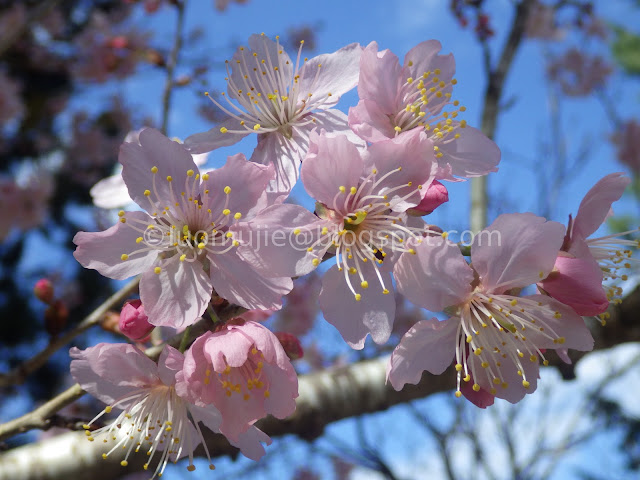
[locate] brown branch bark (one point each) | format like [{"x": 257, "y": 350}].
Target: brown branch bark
[
  {"x": 493, "y": 95},
  {"x": 325, "y": 397}
]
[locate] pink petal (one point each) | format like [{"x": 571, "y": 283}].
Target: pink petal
[
  {"x": 285, "y": 154},
  {"x": 155, "y": 150},
  {"x": 436, "y": 277},
  {"x": 373, "y": 314},
  {"x": 380, "y": 78},
  {"x": 249, "y": 443},
  {"x": 516, "y": 250},
  {"x": 178, "y": 295},
  {"x": 471, "y": 155},
  {"x": 110, "y": 371},
  {"x": 570, "y": 325},
  {"x": 102, "y": 251},
  {"x": 215, "y": 138},
  {"x": 332, "y": 162},
  {"x": 110, "y": 192},
  {"x": 270, "y": 245},
  {"x": 577, "y": 282},
  {"x": 424, "y": 58},
  {"x": 428, "y": 345},
  {"x": 169, "y": 363},
  {"x": 481, "y": 398},
  {"x": 338, "y": 75},
  {"x": 370, "y": 122},
  {"x": 413, "y": 151},
  {"x": 596, "y": 204},
  {"x": 236, "y": 281},
  {"x": 247, "y": 181}
]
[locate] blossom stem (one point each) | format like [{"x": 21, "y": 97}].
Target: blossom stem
[{"x": 185, "y": 339}]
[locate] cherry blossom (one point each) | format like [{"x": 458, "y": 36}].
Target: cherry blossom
[
  {"x": 496, "y": 337},
  {"x": 244, "y": 372},
  {"x": 183, "y": 244},
  {"x": 282, "y": 101},
  {"x": 395, "y": 98},
  {"x": 360, "y": 202},
  {"x": 154, "y": 417}
]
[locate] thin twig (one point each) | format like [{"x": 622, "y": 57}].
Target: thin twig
[
  {"x": 171, "y": 65},
  {"x": 20, "y": 373}
]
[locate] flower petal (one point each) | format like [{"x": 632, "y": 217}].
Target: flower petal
[
  {"x": 270, "y": 245},
  {"x": 338, "y": 74},
  {"x": 380, "y": 78},
  {"x": 110, "y": 192},
  {"x": 332, "y": 162},
  {"x": 169, "y": 364},
  {"x": 216, "y": 137},
  {"x": 103, "y": 251},
  {"x": 373, "y": 314},
  {"x": 155, "y": 150},
  {"x": 109, "y": 371},
  {"x": 428, "y": 345},
  {"x": 236, "y": 281},
  {"x": 178, "y": 295},
  {"x": 411, "y": 159},
  {"x": 370, "y": 122},
  {"x": 596, "y": 204},
  {"x": 516, "y": 250},
  {"x": 436, "y": 277},
  {"x": 471, "y": 155},
  {"x": 247, "y": 181}
]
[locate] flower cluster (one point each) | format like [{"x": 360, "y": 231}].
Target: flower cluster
[{"x": 205, "y": 239}]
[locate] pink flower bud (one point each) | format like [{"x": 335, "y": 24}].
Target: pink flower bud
[
  {"x": 436, "y": 195},
  {"x": 577, "y": 282},
  {"x": 134, "y": 322},
  {"x": 291, "y": 345},
  {"x": 118, "y": 42},
  {"x": 43, "y": 290},
  {"x": 55, "y": 318}
]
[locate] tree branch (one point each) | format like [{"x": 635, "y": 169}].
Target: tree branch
[
  {"x": 491, "y": 109},
  {"x": 21, "y": 372}
]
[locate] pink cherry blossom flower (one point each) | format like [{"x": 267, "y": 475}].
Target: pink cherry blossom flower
[
  {"x": 496, "y": 337},
  {"x": 579, "y": 74},
  {"x": 578, "y": 281},
  {"x": 396, "y": 98},
  {"x": 183, "y": 244},
  {"x": 361, "y": 200},
  {"x": 244, "y": 372},
  {"x": 112, "y": 192},
  {"x": 154, "y": 417},
  {"x": 282, "y": 101},
  {"x": 541, "y": 23},
  {"x": 436, "y": 195}
]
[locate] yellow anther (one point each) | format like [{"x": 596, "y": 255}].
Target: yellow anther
[
  {"x": 315, "y": 262},
  {"x": 385, "y": 291},
  {"x": 226, "y": 211},
  {"x": 124, "y": 257},
  {"x": 227, "y": 190},
  {"x": 201, "y": 246},
  {"x": 364, "y": 284},
  {"x": 525, "y": 384},
  {"x": 256, "y": 127},
  {"x": 476, "y": 387},
  {"x": 353, "y": 190},
  {"x": 107, "y": 409},
  {"x": 190, "y": 173},
  {"x": 237, "y": 216},
  {"x": 478, "y": 351},
  {"x": 458, "y": 394},
  {"x": 157, "y": 271},
  {"x": 358, "y": 297},
  {"x": 124, "y": 463},
  {"x": 458, "y": 367},
  {"x": 154, "y": 169},
  {"x": 147, "y": 193},
  {"x": 514, "y": 302}
]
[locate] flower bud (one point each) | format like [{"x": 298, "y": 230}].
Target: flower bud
[
  {"x": 291, "y": 345},
  {"x": 43, "y": 290},
  {"x": 436, "y": 195},
  {"x": 134, "y": 322},
  {"x": 55, "y": 318}
]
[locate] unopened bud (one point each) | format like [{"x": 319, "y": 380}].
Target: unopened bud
[
  {"x": 55, "y": 318},
  {"x": 291, "y": 345},
  {"x": 134, "y": 321},
  {"x": 118, "y": 42},
  {"x": 43, "y": 290},
  {"x": 436, "y": 195}
]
